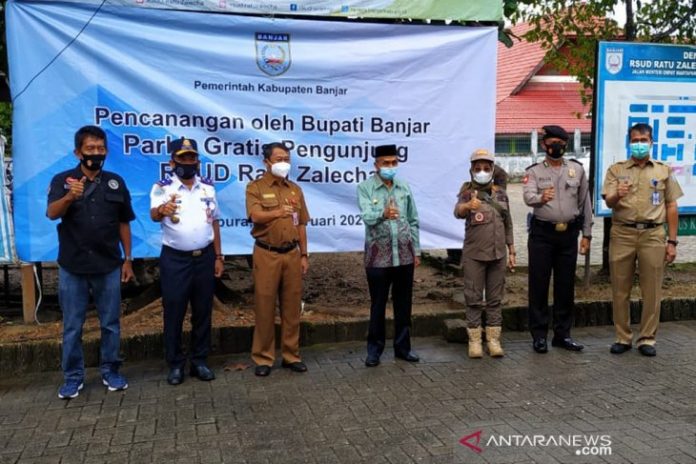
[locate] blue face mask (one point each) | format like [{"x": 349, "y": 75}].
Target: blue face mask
[
  {"x": 640, "y": 150},
  {"x": 387, "y": 173}
]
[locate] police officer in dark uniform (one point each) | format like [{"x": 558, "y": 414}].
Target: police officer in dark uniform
[
  {"x": 558, "y": 191},
  {"x": 95, "y": 210},
  {"x": 186, "y": 207}
]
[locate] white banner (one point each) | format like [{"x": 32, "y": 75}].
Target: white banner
[{"x": 331, "y": 91}]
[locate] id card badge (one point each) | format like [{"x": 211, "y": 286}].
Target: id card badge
[
  {"x": 656, "y": 198},
  {"x": 295, "y": 218}
]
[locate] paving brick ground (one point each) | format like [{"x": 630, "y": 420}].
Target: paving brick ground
[{"x": 343, "y": 412}]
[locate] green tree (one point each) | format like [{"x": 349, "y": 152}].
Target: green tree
[{"x": 558, "y": 22}]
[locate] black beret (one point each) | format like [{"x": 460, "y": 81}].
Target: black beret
[
  {"x": 385, "y": 150},
  {"x": 555, "y": 131},
  {"x": 183, "y": 145}
]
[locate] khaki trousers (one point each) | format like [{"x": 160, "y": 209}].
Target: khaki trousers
[
  {"x": 647, "y": 246},
  {"x": 480, "y": 277},
  {"x": 276, "y": 276}
]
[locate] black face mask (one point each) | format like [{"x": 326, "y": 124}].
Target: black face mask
[
  {"x": 555, "y": 150},
  {"x": 185, "y": 171},
  {"x": 93, "y": 162}
]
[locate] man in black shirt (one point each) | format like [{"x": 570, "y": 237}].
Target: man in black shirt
[{"x": 95, "y": 211}]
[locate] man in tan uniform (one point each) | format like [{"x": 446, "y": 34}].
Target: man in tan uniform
[
  {"x": 277, "y": 208},
  {"x": 643, "y": 195}
]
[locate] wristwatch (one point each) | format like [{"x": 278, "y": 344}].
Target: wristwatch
[{"x": 673, "y": 242}]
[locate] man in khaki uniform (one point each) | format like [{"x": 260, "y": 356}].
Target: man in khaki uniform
[
  {"x": 277, "y": 208},
  {"x": 643, "y": 195}
]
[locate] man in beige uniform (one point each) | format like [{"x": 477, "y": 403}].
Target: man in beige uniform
[
  {"x": 277, "y": 208},
  {"x": 643, "y": 195}
]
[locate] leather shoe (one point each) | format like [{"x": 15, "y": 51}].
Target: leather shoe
[
  {"x": 202, "y": 371},
  {"x": 298, "y": 366},
  {"x": 409, "y": 357},
  {"x": 372, "y": 361},
  {"x": 567, "y": 344},
  {"x": 647, "y": 350},
  {"x": 619, "y": 348},
  {"x": 539, "y": 345},
  {"x": 176, "y": 376},
  {"x": 262, "y": 371}
]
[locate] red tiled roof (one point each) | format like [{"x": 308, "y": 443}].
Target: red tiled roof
[
  {"x": 522, "y": 106},
  {"x": 539, "y": 104}
]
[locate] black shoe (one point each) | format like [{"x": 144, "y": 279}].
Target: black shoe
[
  {"x": 176, "y": 376},
  {"x": 262, "y": 371},
  {"x": 539, "y": 345},
  {"x": 409, "y": 357},
  {"x": 567, "y": 343},
  {"x": 619, "y": 348},
  {"x": 372, "y": 361},
  {"x": 298, "y": 366},
  {"x": 647, "y": 350},
  {"x": 202, "y": 371}
]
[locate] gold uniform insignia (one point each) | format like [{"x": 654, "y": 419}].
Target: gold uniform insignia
[{"x": 571, "y": 172}]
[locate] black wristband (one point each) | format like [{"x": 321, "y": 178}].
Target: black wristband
[{"x": 673, "y": 242}]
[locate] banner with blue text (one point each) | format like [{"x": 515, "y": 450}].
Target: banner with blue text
[{"x": 330, "y": 91}]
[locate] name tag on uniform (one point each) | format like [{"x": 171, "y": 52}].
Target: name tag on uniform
[
  {"x": 656, "y": 198},
  {"x": 268, "y": 195}
]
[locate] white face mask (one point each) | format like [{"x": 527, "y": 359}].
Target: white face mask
[
  {"x": 280, "y": 169},
  {"x": 483, "y": 177}
]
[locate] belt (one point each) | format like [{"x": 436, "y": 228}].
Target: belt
[
  {"x": 641, "y": 225},
  {"x": 556, "y": 226},
  {"x": 280, "y": 250},
  {"x": 189, "y": 253}
]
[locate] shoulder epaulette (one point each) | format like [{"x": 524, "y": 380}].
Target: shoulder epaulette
[
  {"x": 530, "y": 166},
  {"x": 165, "y": 181},
  {"x": 207, "y": 181},
  {"x": 575, "y": 161}
]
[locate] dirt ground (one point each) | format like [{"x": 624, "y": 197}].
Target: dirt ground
[{"x": 335, "y": 288}]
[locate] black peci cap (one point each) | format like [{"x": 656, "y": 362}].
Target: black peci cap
[{"x": 385, "y": 150}]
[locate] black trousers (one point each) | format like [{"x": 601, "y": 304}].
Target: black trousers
[
  {"x": 380, "y": 280},
  {"x": 557, "y": 252},
  {"x": 184, "y": 280}
]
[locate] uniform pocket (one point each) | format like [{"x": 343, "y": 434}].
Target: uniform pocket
[{"x": 270, "y": 203}]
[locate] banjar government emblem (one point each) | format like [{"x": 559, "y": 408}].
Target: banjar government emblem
[
  {"x": 614, "y": 60},
  {"x": 273, "y": 52}
]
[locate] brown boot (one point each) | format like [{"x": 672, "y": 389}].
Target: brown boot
[
  {"x": 493, "y": 342},
  {"x": 475, "y": 347}
]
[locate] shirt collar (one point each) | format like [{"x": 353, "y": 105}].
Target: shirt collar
[
  {"x": 177, "y": 184},
  {"x": 632, "y": 162},
  {"x": 77, "y": 173},
  {"x": 396, "y": 183}
]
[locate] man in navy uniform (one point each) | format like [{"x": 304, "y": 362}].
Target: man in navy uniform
[
  {"x": 95, "y": 211},
  {"x": 186, "y": 207}
]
